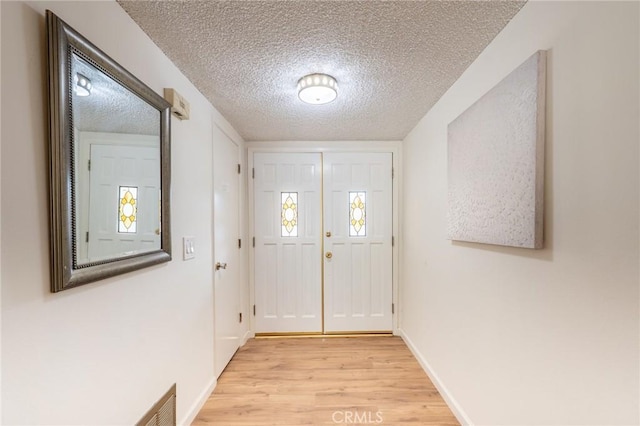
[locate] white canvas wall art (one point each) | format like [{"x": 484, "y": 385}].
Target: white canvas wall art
[{"x": 496, "y": 162}]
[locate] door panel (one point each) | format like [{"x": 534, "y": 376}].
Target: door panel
[
  {"x": 358, "y": 231},
  {"x": 226, "y": 210},
  {"x": 114, "y": 167},
  {"x": 288, "y": 286}
]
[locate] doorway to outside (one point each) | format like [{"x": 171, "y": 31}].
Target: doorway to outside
[{"x": 323, "y": 226}]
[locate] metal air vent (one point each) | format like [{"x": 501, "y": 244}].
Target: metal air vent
[{"x": 163, "y": 413}]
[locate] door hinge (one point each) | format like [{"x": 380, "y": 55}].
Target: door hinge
[
  {"x": 254, "y": 241},
  {"x": 393, "y": 308},
  {"x": 89, "y": 165},
  {"x": 240, "y": 316},
  {"x": 239, "y": 168},
  {"x": 254, "y": 310},
  {"x": 87, "y": 238},
  {"x": 253, "y": 173},
  {"x": 393, "y": 173},
  {"x": 393, "y": 241},
  {"x": 239, "y": 243}
]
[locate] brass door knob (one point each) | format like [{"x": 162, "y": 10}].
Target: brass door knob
[
  {"x": 328, "y": 234},
  {"x": 328, "y": 255}
]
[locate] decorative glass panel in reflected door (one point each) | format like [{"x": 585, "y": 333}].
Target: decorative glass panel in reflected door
[{"x": 127, "y": 209}]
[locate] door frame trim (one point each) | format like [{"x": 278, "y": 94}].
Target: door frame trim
[{"x": 394, "y": 147}]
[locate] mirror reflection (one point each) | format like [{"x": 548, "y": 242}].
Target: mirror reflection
[{"x": 116, "y": 158}]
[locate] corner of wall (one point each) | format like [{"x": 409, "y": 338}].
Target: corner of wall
[
  {"x": 192, "y": 412},
  {"x": 453, "y": 404}
]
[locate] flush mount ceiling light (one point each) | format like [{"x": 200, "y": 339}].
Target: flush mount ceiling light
[
  {"x": 317, "y": 89},
  {"x": 83, "y": 85}
]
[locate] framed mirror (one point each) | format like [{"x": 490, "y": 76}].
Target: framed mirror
[{"x": 109, "y": 164}]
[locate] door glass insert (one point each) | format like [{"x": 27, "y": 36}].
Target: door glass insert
[
  {"x": 357, "y": 214},
  {"x": 289, "y": 214},
  {"x": 127, "y": 222}
]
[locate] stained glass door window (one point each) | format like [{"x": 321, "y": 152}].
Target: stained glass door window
[
  {"x": 127, "y": 209},
  {"x": 357, "y": 214},
  {"x": 289, "y": 214}
]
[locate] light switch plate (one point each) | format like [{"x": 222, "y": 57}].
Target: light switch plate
[{"x": 188, "y": 248}]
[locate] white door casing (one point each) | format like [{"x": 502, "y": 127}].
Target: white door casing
[
  {"x": 358, "y": 277},
  {"x": 288, "y": 287},
  {"x": 226, "y": 211}
]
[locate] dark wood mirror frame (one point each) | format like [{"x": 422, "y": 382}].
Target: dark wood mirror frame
[{"x": 63, "y": 41}]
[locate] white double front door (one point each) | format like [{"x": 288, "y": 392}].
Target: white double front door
[{"x": 323, "y": 242}]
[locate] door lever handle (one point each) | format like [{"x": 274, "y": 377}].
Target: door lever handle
[{"x": 220, "y": 266}]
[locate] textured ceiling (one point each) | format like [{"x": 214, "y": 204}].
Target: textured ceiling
[
  {"x": 111, "y": 108},
  {"x": 392, "y": 59}
]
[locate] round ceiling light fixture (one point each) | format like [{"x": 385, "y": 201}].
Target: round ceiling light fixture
[
  {"x": 317, "y": 89},
  {"x": 83, "y": 85}
]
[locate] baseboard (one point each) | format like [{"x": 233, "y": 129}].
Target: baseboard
[
  {"x": 444, "y": 392},
  {"x": 198, "y": 404},
  {"x": 248, "y": 335}
]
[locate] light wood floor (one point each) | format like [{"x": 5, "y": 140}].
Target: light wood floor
[{"x": 320, "y": 381}]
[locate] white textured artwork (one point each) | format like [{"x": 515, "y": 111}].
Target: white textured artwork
[{"x": 496, "y": 162}]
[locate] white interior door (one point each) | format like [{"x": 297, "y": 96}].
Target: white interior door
[
  {"x": 357, "y": 242},
  {"x": 226, "y": 210},
  {"x": 124, "y": 204},
  {"x": 287, "y": 203}
]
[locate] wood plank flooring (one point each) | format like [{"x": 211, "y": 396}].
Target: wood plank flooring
[{"x": 325, "y": 381}]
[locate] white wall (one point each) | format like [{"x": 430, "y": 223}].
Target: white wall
[
  {"x": 105, "y": 352},
  {"x": 516, "y": 336}
]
